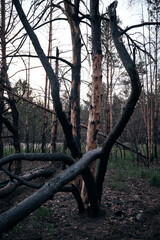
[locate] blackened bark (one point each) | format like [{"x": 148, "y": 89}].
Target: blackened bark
[
  {"x": 1, "y": 112},
  {"x": 130, "y": 104},
  {"x": 74, "y": 21},
  {"x": 77, "y": 196},
  {"x": 67, "y": 128},
  {"x": 23, "y": 209},
  {"x": 11, "y": 185},
  {"x": 37, "y": 157}
]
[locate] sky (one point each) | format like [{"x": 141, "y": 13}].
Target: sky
[{"x": 129, "y": 15}]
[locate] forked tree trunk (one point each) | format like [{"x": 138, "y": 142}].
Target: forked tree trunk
[
  {"x": 128, "y": 109},
  {"x": 67, "y": 128},
  {"x": 151, "y": 95},
  {"x": 147, "y": 115},
  {"x": 156, "y": 15}
]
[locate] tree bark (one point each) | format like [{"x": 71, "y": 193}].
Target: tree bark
[
  {"x": 95, "y": 108},
  {"x": 73, "y": 19},
  {"x": 94, "y": 114},
  {"x": 2, "y": 38},
  {"x": 23, "y": 209},
  {"x": 67, "y": 128},
  {"x": 45, "y": 120},
  {"x": 128, "y": 109},
  {"x": 10, "y": 186},
  {"x": 54, "y": 117},
  {"x": 15, "y": 115}
]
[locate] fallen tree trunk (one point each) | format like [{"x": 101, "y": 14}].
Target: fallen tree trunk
[
  {"x": 14, "y": 215},
  {"x": 38, "y": 157},
  {"x": 8, "y": 186}
]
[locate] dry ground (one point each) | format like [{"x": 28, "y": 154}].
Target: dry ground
[{"x": 132, "y": 212}]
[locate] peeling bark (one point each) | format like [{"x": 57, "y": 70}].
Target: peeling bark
[
  {"x": 94, "y": 113},
  {"x": 95, "y": 109}
]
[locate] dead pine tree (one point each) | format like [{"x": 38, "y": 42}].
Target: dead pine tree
[{"x": 94, "y": 187}]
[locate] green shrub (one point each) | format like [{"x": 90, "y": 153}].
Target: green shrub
[
  {"x": 117, "y": 184},
  {"x": 125, "y": 168},
  {"x": 155, "y": 180},
  {"x": 43, "y": 212}
]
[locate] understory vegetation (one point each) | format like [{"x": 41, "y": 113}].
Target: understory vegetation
[{"x": 127, "y": 168}]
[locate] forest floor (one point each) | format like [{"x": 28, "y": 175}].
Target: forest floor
[{"x": 130, "y": 210}]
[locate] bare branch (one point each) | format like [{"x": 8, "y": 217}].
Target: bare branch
[
  {"x": 37, "y": 157},
  {"x": 31, "y": 102},
  {"x": 21, "y": 180},
  {"x": 7, "y": 186},
  {"x": 67, "y": 127},
  {"x": 49, "y": 57},
  {"x": 139, "y": 25}
]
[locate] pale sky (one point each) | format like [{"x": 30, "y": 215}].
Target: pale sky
[{"x": 129, "y": 15}]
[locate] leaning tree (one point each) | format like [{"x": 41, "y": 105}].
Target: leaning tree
[{"x": 94, "y": 185}]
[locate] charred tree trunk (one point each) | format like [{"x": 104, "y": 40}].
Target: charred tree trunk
[
  {"x": 67, "y": 128},
  {"x": 74, "y": 22},
  {"x": 73, "y": 19},
  {"x": 23, "y": 209},
  {"x": 128, "y": 109}
]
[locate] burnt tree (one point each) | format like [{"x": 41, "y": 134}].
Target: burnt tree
[{"x": 94, "y": 188}]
